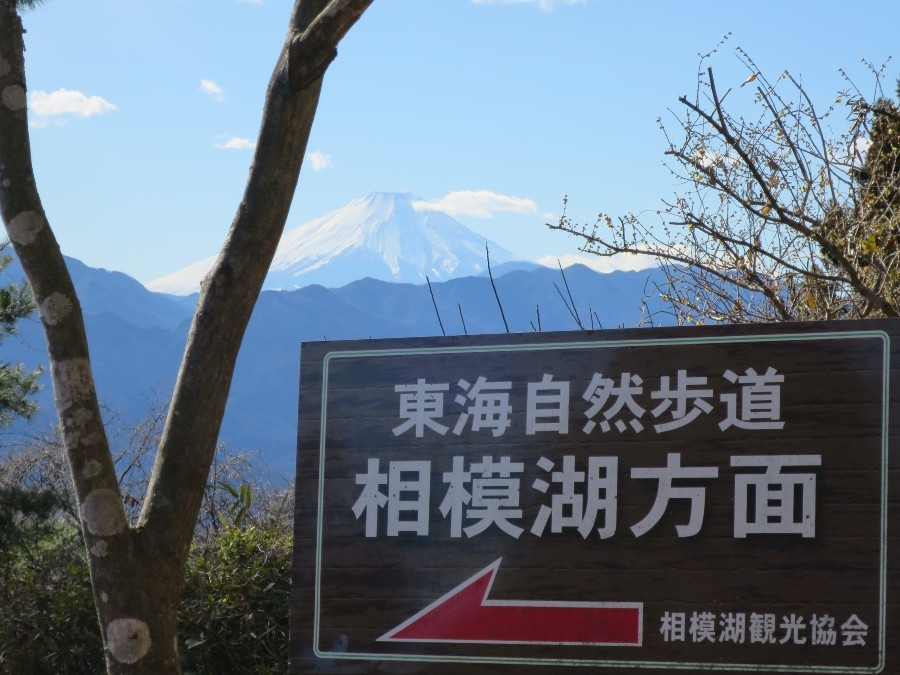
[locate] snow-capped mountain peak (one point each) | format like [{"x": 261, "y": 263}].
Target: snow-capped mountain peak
[{"x": 379, "y": 235}]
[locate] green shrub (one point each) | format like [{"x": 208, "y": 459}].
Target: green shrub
[
  {"x": 48, "y": 623},
  {"x": 234, "y": 613},
  {"x": 233, "y": 619}
]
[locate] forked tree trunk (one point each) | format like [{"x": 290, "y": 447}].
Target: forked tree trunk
[{"x": 137, "y": 572}]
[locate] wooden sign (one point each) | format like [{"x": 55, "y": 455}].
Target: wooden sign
[{"x": 720, "y": 498}]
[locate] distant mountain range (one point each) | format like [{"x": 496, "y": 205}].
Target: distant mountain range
[{"x": 137, "y": 336}]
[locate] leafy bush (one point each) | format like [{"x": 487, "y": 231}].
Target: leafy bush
[
  {"x": 235, "y": 606},
  {"x": 48, "y": 623},
  {"x": 234, "y": 616}
]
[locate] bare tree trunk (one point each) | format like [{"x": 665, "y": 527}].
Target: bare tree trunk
[{"x": 137, "y": 573}]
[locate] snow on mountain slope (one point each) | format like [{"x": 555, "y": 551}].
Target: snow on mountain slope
[{"x": 379, "y": 235}]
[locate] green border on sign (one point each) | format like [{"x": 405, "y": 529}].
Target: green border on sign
[{"x": 786, "y": 337}]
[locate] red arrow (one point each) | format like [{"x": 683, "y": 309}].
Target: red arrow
[{"x": 466, "y": 615}]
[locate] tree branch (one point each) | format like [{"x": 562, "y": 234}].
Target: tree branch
[
  {"x": 313, "y": 50},
  {"x": 229, "y": 291}
]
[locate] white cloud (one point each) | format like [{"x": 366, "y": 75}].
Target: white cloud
[
  {"x": 63, "y": 104},
  {"x": 718, "y": 160},
  {"x": 213, "y": 90},
  {"x": 620, "y": 261},
  {"x": 319, "y": 161},
  {"x": 858, "y": 151},
  {"x": 478, "y": 203},
  {"x": 234, "y": 143},
  {"x": 545, "y": 5}
]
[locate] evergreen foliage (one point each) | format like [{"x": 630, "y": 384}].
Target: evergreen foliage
[
  {"x": 26, "y": 4},
  {"x": 872, "y": 223},
  {"x": 16, "y": 386}
]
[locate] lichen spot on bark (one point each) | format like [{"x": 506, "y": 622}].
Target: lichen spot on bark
[
  {"x": 75, "y": 427},
  {"x": 128, "y": 640},
  {"x": 102, "y": 513},
  {"x": 100, "y": 549},
  {"x": 13, "y": 96},
  {"x": 73, "y": 380},
  {"x": 23, "y": 227},
  {"x": 5, "y": 67},
  {"x": 55, "y": 308},
  {"x": 92, "y": 469},
  {"x": 104, "y": 597}
]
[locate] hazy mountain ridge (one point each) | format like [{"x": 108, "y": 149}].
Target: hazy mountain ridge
[{"x": 137, "y": 337}]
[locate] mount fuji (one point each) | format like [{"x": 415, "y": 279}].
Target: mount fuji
[{"x": 384, "y": 236}]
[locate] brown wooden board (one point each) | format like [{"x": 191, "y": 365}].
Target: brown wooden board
[{"x": 720, "y": 498}]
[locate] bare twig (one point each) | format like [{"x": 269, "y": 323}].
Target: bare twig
[
  {"x": 779, "y": 218},
  {"x": 434, "y": 302},
  {"x": 487, "y": 254},
  {"x": 574, "y": 309},
  {"x": 462, "y": 318}
]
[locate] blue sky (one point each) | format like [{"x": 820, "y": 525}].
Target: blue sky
[{"x": 144, "y": 112}]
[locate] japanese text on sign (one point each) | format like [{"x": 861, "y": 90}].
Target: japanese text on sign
[
  {"x": 488, "y": 492},
  {"x": 612, "y": 402}
]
